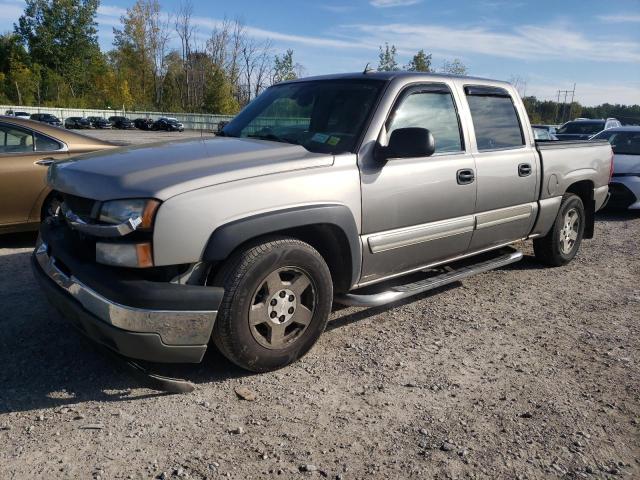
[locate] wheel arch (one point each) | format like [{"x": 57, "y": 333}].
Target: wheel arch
[
  {"x": 584, "y": 190},
  {"x": 329, "y": 228}
]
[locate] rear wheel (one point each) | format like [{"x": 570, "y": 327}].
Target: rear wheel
[
  {"x": 277, "y": 300},
  {"x": 561, "y": 244}
]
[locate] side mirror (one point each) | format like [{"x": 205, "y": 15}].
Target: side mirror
[{"x": 408, "y": 143}]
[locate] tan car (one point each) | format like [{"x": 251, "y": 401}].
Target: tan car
[{"x": 27, "y": 148}]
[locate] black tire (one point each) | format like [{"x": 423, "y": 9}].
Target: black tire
[
  {"x": 50, "y": 206},
  {"x": 556, "y": 248},
  {"x": 250, "y": 280}
]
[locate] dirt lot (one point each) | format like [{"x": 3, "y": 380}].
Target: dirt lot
[
  {"x": 136, "y": 136},
  {"x": 524, "y": 372}
]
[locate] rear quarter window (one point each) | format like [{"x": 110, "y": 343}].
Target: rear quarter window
[{"x": 495, "y": 119}]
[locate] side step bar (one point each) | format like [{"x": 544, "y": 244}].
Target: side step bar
[{"x": 404, "y": 291}]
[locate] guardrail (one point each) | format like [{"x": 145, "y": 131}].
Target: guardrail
[{"x": 191, "y": 121}]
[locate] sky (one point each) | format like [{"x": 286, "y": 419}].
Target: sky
[{"x": 548, "y": 44}]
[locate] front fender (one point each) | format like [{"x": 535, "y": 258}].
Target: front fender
[{"x": 228, "y": 237}]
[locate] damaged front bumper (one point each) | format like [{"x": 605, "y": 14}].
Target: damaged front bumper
[{"x": 136, "y": 318}]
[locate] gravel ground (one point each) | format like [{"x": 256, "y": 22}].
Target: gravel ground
[
  {"x": 523, "y": 372},
  {"x": 135, "y": 137}
]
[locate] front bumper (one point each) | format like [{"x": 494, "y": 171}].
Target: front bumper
[
  {"x": 152, "y": 321},
  {"x": 625, "y": 192}
]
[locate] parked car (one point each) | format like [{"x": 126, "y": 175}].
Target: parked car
[
  {"x": 543, "y": 134},
  {"x": 121, "y": 122},
  {"x": 222, "y": 124},
  {"x": 584, "y": 128},
  {"x": 625, "y": 182},
  {"x": 549, "y": 128},
  {"x": 27, "y": 148},
  {"x": 143, "y": 123},
  {"x": 99, "y": 122},
  {"x": 46, "y": 118},
  {"x": 168, "y": 124},
  {"x": 12, "y": 113},
  {"x": 77, "y": 122},
  {"x": 249, "y": 237}
]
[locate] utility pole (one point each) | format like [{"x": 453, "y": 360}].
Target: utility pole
[{"x": 564, "y": 103}]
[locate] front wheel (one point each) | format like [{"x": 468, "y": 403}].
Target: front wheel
[
  {"x": 277, "y": 300},
  {"x": 561, "y": 244}
]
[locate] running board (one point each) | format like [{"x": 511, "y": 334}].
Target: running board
[{"x": 404, "y": 291}]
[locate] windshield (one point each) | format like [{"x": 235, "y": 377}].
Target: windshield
[
  {"x": 622, "y": 143},
  {"x": 324, "y": 116},
  {"x": 581, "y": 128}
]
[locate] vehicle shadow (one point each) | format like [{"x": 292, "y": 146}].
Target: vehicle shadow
[
  {"x": 45, "y": 363},
  {"x": 339, "y": 318},
  {"x": 18, "y": 240},
  {"x": 616, "y": 215}
]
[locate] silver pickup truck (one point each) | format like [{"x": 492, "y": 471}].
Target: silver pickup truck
[{"x": 360, "y": 189}]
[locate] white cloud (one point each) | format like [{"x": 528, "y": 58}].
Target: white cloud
[
  {"x": 528, "y": 42},
  {"x": 393, "y": 3},
  {"x": 111, "y": 11},
  {"x": 620, "y": 18}
]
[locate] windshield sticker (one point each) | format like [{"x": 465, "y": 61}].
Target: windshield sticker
[
  {"x": 320, "y": 137},
  {"x": 333, "y": 141}
]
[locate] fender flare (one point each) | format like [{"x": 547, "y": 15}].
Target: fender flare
[{"x": 229, "y": 236}]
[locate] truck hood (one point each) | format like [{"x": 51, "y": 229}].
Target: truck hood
[{"x": 164, "y": 170}]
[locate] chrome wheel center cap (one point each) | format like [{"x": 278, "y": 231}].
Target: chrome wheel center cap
[{"x": 282, "y": 306}]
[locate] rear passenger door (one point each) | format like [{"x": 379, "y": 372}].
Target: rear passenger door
[{"x": 507, "y": 168}]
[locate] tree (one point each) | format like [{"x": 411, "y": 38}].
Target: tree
[
  {"x": 61, "y": 36},
  {"x": 219, "y": 96},
  {"x": 455, "y": 67},
  {"x": 421, "y": 62},
  {"x": 387, "y": 59},
  {"x": 141, "y": 50},
  {"x": 284, "y": 67}
]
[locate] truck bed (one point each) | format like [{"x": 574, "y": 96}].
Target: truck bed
[{"x": 565, "y": 162}]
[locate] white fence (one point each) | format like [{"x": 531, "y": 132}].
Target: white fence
[{"x": 191, "y": 121}]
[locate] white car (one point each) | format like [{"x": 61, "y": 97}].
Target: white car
[{"x": 625, "y": 182}]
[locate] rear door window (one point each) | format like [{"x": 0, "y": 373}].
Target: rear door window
[
  {"x": 495, "y": 119},
  {"x": 46, "y": 144},
  {"x": 15, "y": 140}
]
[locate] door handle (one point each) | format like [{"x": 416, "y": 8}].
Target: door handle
[
  {"x": 524, "y": 170},
  {"x": 465, "y": 176},
  {"x": 45, "y": 162}
]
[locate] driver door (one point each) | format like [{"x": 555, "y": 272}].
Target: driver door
[{"x": 418, "y": 211}]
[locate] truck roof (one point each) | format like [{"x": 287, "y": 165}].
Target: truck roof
[{"x": 388, "y": 76}]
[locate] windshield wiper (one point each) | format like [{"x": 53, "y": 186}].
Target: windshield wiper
[{"x": 274, "y": 138}]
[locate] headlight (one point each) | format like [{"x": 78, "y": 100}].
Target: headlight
[
  {"x": 119, "y": 211},
  {"x": 134, "y": 255}
]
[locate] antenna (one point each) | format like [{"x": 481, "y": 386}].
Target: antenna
[{"x": 367, "y": 69}]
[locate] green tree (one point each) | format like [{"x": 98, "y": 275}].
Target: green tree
[
  {"x": 219, "y": 95},
  {"x": 61, "y": 36},
  {"x": 421, "y": 62},
  {"x": 387, "y": 59},
  {"x": 284, "y": 67},
  {"x": 454, "y": 67}
]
